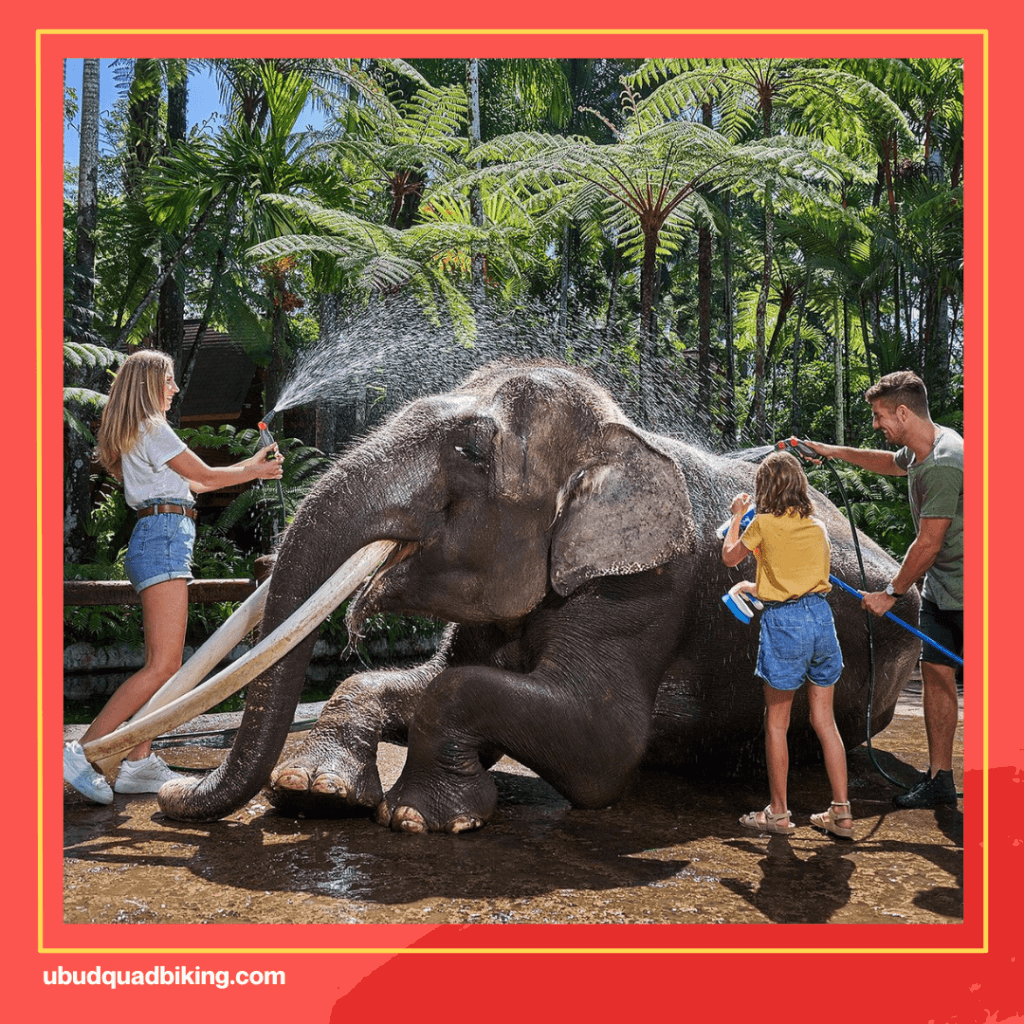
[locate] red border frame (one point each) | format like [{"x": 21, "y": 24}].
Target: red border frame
[{"x": 972, "y": 984}]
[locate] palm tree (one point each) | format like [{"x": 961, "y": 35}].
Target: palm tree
[
  {"x": 648, "y": 187},
  {"x": 227, "y": 177},
  {"x": 812, "y": 98}
]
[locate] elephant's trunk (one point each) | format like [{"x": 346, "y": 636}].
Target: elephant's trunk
[{"x": 324, "y": 535}]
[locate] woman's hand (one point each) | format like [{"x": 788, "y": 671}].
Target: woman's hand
[{"x": 267, "y": 463}]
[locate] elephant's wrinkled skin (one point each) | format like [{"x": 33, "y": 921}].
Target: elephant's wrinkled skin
[{"x": 575, "y": 557}]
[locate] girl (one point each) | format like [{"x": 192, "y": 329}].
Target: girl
[
  {"x": 159, "y": 472},
  {"x": 798, "y": 635}
]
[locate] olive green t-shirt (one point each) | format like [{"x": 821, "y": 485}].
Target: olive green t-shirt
[{"x": 936, "y": 488}]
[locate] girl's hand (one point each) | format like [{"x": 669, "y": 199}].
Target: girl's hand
[
  {"x": 741, "y": 503},
  {"x": 267, "y": 463}
]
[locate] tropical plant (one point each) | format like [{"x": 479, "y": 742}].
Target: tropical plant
[{"x": 750, "y": 97}]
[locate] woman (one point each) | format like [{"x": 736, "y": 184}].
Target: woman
[
  {"x": 160, "y": 475},
  {"x": 798, "y": 635}
]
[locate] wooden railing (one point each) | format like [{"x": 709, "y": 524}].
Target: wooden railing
[{"x": 113, "y": 592}]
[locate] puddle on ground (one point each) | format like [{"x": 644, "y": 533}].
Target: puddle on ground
[{"x": 671, "y": 851}]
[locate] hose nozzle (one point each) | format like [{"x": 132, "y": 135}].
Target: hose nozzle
[
  {"x": 798, "y": 447},
  {"x": 266, "y": 438}
]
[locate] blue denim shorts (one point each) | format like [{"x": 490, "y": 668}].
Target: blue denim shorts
[
  {"x": 160, "y": 549},
  {"x": 798, "y": 641}
]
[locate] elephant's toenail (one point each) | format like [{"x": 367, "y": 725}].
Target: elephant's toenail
[
  {"x": 464, "y": 823},
  {"x": 329, "y": 785},
  {"x": 408, "y": 819},
  {"x": 291, "y": 778}
]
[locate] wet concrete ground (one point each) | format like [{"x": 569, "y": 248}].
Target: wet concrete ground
[{"x": 671, "y": 851}]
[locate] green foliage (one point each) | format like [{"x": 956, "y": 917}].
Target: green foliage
[
  {"x": 821, "y": 229},
  {"x": 258, "y": 507},
  {"x": 880, "y": 506}
]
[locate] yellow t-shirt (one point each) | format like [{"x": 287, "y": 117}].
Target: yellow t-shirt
[{"x": 793, "y": 555}]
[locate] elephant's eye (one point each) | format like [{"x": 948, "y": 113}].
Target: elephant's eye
[{"x": 470, "y": 452}]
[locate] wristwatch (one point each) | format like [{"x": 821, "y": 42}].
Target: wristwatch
[{"x": 890, "y": 590}]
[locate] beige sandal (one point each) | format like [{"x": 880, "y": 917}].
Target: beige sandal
[
  {"x": 771, "y": 822},
  {"x": 829, "y": 820}
]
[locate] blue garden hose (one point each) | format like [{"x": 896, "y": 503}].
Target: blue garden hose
[{"x": 899, "y": 622}]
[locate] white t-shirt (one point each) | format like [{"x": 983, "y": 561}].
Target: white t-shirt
[{"x": 145, "y": 469}]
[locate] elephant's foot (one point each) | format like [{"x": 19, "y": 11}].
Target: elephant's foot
[
  {"x": 325, "y": 787},
  {"x": 438, "y": 805}
]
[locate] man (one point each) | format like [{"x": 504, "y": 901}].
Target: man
[{"x": 932, "y": 457}]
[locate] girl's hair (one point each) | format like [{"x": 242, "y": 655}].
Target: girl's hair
[
  {"x": 136, "y": 395},
  {"x": 780, "y": 484}
]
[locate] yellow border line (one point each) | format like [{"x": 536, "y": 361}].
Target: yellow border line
[
  {"x": 39, "y": 470},
  {"x": 512, "y": 32},
  {"x": 164, "y": 950},
  {"x": 522, "y": 951},
  {"x": 985, "y": 574}
]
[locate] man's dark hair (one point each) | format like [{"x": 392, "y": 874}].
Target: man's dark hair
[{"x": 903, "y": 387}]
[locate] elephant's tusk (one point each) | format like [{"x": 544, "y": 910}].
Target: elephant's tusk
[
  {"x": 230, "y": 633},
  {"x": 287, "y": 635}
]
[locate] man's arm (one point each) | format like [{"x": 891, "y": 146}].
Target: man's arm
[
  {"x": 874, "y": 459},
  {"x": 918, "y": 560}
]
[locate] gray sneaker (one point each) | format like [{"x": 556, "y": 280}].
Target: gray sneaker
[
  {"x": 80, "y": 774},
  {"x": 145, "y": 776}
]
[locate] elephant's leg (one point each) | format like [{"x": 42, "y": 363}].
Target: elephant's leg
[
  {"x": 334, "y": 771},
  {"x": 584, "y": 743}
]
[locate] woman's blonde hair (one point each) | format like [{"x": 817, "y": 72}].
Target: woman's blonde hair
[
  {"x": 136, "y": 395},
  {"x": 780, "y": 484}
]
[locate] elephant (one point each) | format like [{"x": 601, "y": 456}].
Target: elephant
[{"x": 573, "y": 557}]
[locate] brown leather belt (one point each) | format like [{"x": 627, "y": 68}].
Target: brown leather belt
[{"x": 177, "y": 510}]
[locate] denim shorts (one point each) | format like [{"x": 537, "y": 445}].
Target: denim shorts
[
  {"x": 160, "y": 549},
  {"x": 944, "y": 626},
  {"x": 798, "y": 641}
]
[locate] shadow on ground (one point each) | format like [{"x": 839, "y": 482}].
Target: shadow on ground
[{"x": 671, "y": 851}]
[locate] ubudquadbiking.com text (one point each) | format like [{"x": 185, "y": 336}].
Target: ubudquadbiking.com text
[{"x": 114, "y": 979}]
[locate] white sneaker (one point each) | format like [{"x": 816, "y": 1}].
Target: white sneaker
[
  {"x": 145, "y": 776},
  {"x": 78, "y": 772}
]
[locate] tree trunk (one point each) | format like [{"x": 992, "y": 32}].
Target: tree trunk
[
  {"x": 647, "y": 323},
  {"x": 798, "y": 344},
  {"x": 837, "y": 393},
  {"x": 846, "y": 365},
  {"x": 88, "y": 196},
  {"x": 758, "y": 412},
  {"x": 729, "y": 421},
  {"x": 168, "y": 269},
  {"x": 476, "y": 208},
  {"x": 77, "y": 504},
  {"x": 170, "y": 318},
  {"x": 704, "y": 255},
  {"x": 867, "y": 339}
]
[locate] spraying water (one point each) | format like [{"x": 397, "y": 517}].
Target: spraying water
[{"x": 381, "y": 357}]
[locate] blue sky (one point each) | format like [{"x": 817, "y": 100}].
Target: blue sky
[{"x": 203, "y": 100}]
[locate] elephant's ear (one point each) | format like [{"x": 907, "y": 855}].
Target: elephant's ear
[{"x": 625, "y": 511}]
